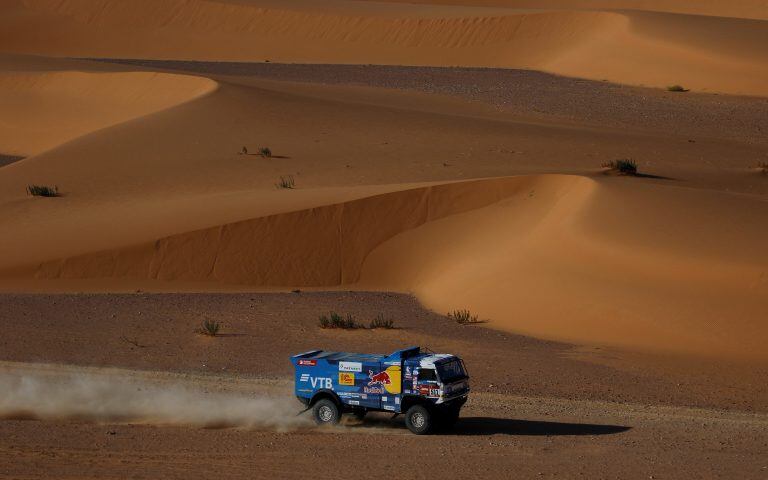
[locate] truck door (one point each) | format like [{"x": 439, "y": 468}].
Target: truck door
[
  {"x": 356, "y": 387},
  {"x": 388, "y": 384}
]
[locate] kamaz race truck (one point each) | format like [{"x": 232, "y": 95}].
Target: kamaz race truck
[{"x": 428, "y": 388}]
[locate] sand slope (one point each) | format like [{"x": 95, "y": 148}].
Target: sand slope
[
  {"x": 42, "y": 109},
  {"x": 551, "y": 256},
  {"x": 757, "y": 9},
  {"x": 659, "y": 49}
]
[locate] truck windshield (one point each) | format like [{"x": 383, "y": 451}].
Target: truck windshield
[{"x": 451, "y": 371}]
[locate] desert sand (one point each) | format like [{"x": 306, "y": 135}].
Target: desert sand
[{"x": 445, "y": 155}]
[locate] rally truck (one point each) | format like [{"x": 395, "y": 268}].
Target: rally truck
[{"x": 429, "y": 388}]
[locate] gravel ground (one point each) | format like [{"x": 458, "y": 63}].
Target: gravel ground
[
  {"x": 538, "y": 409},
  {"x": 528, "y": 93}
]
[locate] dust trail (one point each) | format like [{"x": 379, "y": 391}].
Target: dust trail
[{"x": 86, "y": 394}]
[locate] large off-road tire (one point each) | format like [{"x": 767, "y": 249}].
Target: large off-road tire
[
  {"x": 326, "y": 412},
  {"x": 419, "y": 420}
]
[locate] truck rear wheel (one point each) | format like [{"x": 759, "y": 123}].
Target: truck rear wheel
[
  {"x": 419, "y": 420},
  {"x": 326, "y": 412}
]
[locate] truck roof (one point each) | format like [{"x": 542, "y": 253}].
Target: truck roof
[{"x": 424, "y": 358}]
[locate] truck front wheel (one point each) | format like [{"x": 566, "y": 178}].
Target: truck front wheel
[
  {"x": 326, "y": 412},
  {"x": 419, "y": 420}
]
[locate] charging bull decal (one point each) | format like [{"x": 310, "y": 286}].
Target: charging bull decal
[
  {"x": 389, "y": 379},
  {"x": 381, "y": 378}
]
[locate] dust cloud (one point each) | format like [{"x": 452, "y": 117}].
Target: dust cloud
[{"x": 115, "y": 396}]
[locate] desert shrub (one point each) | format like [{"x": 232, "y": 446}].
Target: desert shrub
[
  {"x": 334, "y": 320},
  {"x": 463, "y": 317},
  {"x": 625, "y": 166},
  {"x": 676, "y": 88},
  {"x": 381, "y": 322},
  {"x": 210, "y": 328},
  {"x": 763, "y": 167},
  {"x": 265, "y": 152},
  {"x": 43, "y": 191},
  {"x": 286, "y": 182}
]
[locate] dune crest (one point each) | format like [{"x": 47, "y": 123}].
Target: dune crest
[
  {"x": 51, "y": 108},
  {"x": 633, "y": 47}
]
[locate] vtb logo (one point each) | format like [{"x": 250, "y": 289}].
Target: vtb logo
[{"x": 319, "y": 382}]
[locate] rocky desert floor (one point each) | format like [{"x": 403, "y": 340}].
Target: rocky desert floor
[
  {"x": 173, "y": 403},
  {"x": 261, "y": 163}
]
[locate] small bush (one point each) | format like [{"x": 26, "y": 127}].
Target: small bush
[
  {"x": 381, "y": 322},
  {"x": 265, "y": 152},
  {"x": 464, "y": 317},
  {"x": 43, "y": 191},
  {"x": 210, "y": 328},
  {"x": 334, "y": 320},
  {"x": 762, "y": 167},
  {"x": 676, "y": 88},
  {"x": 625, "y": 166},
  {"x": 286, "y": 182}
]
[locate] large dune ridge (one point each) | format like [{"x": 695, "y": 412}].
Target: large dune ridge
[
  {"x": 554, "y": 256},
  {"x": 756, "y": 9},
  {"x": 709, "y": 53},
  {"x": 44, "y": 109}
]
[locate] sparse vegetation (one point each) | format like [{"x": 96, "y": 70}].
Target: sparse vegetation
[
  {"x": 381, "y": 322},
  {"x": 265, "y": 152},
  {"x": 762, "y": 167},
  {"x": 334, "y": 320},
  {"x": 625, "y": 166},
  {"x": 210, "y": 328},
  {"x": 43, "y": 191},
  {"x": 464, "y": 317},
  {"x": 286, "y": 182},
  {"x": 676, "y": 88}
]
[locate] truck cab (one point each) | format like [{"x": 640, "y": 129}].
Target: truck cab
[{"x": 428, "y": 388}]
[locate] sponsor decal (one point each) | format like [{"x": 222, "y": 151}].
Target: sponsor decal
[
  {"x": 373, "y": 390},
  {"x": 354, "y": 402},
  {"x": 364, "y": 396},
  {"x": 383, "y": 399},
  {"x": 389, "y": 407},
  {"x": 320, "y": 382},
  {"x": 429, "y": 390},
  {"x": 304, "y": 377},
  {"x": 389, "y": 379},
  {"x": 307, "y": 363},
  {"x": 356, "y": 367},
  {"x": 397, "y": 400},
  {"x": 346, "y": 378}
]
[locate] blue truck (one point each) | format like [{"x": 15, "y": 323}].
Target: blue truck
[{"x": 429, "y": 388}]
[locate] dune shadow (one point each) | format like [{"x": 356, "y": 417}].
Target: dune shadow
[
  {"x": 657, "y": 177},
  {"x": 9, "y": 159},
  {"x": 260, "y": 155},
  {"x": 508, "y": 426}
]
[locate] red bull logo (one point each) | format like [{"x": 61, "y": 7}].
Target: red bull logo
[{"x": 381, "y": 378}]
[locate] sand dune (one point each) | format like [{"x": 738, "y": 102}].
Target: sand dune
[
  {"x": 757, "y": 9},
  {"x": 41, "y": 110},
  {"x": 551, "y": 256},
  {"x": 657, "y": 49}
]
